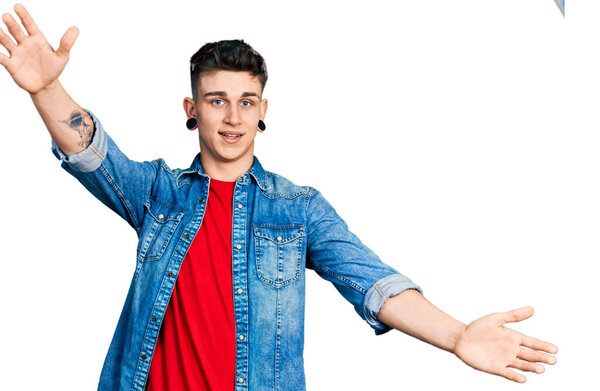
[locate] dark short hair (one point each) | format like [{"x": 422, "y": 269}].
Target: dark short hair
[{"x": 227, "y": 55}]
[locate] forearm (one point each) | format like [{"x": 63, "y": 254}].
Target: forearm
[
  {"x": 414, "y": 315},
  {"x": 69, "y": 125}
]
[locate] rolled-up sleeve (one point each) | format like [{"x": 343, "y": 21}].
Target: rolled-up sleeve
[
  {"x": 105, "y": 171},
  {"x": 338, "y": 255},
  {"x": 90, "y": 158},
  {"x": 382, "y": 290}
]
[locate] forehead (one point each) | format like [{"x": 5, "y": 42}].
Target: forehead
[{"x": 234, "y": 83}]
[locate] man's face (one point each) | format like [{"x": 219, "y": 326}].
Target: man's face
[{"x": 229, "y": 102}]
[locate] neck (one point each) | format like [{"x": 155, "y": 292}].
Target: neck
[{"x": 225, "y": 171}]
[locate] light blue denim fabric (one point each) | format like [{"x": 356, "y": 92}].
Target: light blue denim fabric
[{"x": 279, "y": 230}]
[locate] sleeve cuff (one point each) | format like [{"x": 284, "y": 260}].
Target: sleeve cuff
[
  {"x": 381, "y": 291},
  {"x": 90, "y": 158}
]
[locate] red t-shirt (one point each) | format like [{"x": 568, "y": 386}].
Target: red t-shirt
[{"x": 196, "y": 344}]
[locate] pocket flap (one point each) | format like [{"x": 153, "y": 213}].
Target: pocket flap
[
  {"x": 162, "y": 212},
  {"x": 279, "y": 235}
]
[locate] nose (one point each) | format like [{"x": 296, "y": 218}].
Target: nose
[{"x": 233, "y": 116}]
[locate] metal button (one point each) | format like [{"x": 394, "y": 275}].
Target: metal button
[
  {"x": 240, "y": 290},
  {"x": 240, "y": 206},
  {"x": 244, "y": 176},
  {"x": 161, "y": 216},
  {"x": 279, "y": 238},
  {"x": 154, "y": 319},
  {"x": 238, "y": 246},
  {"x": 187, "y": 236},
  {"x": 170, "y": 274},
  {"x": 144, "y": 357},
  {"x": 240, "y": 379},
  {"x": 241, "y": 337}
]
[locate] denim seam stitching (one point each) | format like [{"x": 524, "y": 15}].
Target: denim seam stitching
[
  {"x": 341, "y": 278},
  {"x": 280, "y": 226},
  {"x": 120, "y": 195},
  {"x": 176, "y": 174},
  {"x": 149, "y": 325},
  {"x": 168, "y": 205},
  {"x": 156, "y": 300},
  {"x": 308, "y": 197},
  {"x": 261, "y": 186},
  {"x": 95, "y": 152},
  {"x": 162, "y": 164},
  {"x": 379, "y": 290},
  {"x": 261, "y": 275},
  {"x": 303, "y": 189},
  {"x": 288, "y": 196},
  {"x": 100, "y": 154},
  {"x": 277, "y": 342}
]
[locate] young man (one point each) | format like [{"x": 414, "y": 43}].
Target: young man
[{"x": 217, "y": 298}]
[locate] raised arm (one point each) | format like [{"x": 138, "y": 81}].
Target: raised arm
[
  {"x": 35, "y": 66},
  {"x": 86, "y": 151}
]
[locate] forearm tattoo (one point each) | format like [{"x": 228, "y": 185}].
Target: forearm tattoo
[{"x": 83, "y": 124}]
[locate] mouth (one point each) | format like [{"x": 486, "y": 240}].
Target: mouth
[{"x": 231, "y": 137}]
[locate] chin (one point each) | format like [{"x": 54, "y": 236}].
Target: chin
[{"x": 231, "y": 156}]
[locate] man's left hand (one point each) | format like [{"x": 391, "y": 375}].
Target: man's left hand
[{"x": 487, "y": 345}]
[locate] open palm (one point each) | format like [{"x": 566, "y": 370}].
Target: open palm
[
  {"x": 487, "y": 345},
  {"x": 33, "y": 63}
]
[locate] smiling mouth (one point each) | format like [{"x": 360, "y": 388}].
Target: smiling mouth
[{"x": 231, "y": 135}]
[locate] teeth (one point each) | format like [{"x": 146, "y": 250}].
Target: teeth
[{"x": 231, "y": 135}]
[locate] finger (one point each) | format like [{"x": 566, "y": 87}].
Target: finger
[
  {"x": 527, "y": 366},
  {"x": 533, "y": 356},
  {"x": 14, "y": 28},
  {"x": 4, "y": 60},
  {"x": 538, "y": 344},
  {"x": 7, "y": 42},
  {"x": 517, "y": 315},
  {"x": 512, "y": 375},
  {"x": 67, "y": 41},
  {"x": 26, "y": 19}
]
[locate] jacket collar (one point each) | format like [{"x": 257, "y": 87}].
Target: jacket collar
[{"x": 256, "y": 171}]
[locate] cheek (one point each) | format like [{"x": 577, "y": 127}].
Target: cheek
[
  {"x": 251, "y": 116},
  {"x": 209, "y": 119}
]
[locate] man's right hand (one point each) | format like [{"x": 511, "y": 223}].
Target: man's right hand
[{"x": 33, "y": 64}]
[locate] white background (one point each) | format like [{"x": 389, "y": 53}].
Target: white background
[{"x": 458, "y": 139}]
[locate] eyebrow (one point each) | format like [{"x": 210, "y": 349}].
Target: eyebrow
[{"x": 223, "y": 93}]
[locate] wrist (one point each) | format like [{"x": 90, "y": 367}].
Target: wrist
[
  {"x": 455, "y": 334},
  {"x": 46, "y": 90}
]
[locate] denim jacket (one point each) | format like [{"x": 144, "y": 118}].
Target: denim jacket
[{"x": 279, "y": 230}]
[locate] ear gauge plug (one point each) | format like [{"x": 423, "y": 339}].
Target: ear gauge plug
[
  {"x": 191, "y": 123},
  {"x": 261, "y": 125}
]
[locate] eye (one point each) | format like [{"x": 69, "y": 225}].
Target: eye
[
  {"x": 248, "y": 105},
  {"x": 217, "y": 100}
]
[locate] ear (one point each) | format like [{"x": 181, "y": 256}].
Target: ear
[
  {"x": 263, "y": 108},
  {"x": 189, "y": 106}
]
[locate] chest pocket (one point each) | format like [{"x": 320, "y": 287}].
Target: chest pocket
[
  {"x": 160, "y": 222},
  {"x": 278, "y": 253}
]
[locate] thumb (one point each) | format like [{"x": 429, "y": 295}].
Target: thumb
[
  {"x": 67, "y": 41},
  {"x": 516, "y": 315}
]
